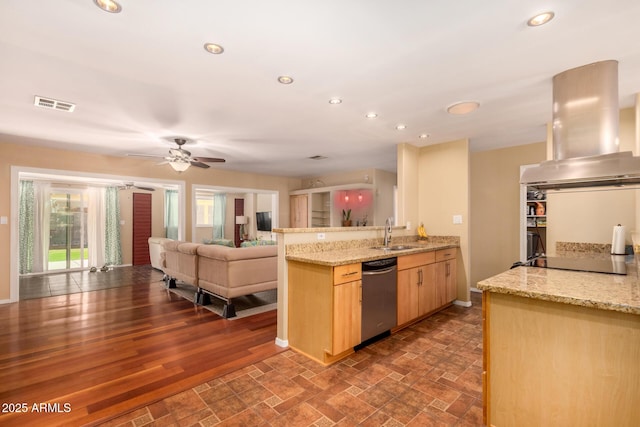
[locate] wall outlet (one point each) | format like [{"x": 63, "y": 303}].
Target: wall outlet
[
  {"x": 320, "y": 236},
  {"x": 457, "y": 219}
]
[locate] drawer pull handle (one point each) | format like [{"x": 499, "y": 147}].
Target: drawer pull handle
[{"x": 350, "y": 274}]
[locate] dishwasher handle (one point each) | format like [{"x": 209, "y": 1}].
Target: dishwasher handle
[{"x": 377, "y": 272}]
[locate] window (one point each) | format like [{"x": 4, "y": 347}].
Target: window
[{"x": 204, "y": 209}]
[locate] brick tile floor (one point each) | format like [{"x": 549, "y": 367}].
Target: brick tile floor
[{"x": 428, "y": 374}]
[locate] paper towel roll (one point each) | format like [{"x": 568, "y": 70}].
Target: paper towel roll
[{"x": 617, "y": 242}]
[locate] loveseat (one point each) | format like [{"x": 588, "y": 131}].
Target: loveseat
[{"x": 221, "y": 271}]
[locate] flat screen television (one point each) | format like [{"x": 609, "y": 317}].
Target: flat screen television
[{"x": 263, "y": 221}]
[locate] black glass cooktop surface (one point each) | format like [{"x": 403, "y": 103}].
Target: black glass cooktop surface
[{"x": 613, "y": 265}]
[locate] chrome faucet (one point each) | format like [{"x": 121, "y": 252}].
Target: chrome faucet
[{"x": 387, "y": 232}]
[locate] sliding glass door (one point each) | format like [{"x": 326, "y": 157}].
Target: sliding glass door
[{"x": 67, "y": 230}]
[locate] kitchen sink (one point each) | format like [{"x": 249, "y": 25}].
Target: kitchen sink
[{"x": 394, "y": 247}]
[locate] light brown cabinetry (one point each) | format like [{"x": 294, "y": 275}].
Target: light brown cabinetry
[
  {"x": 324, "y": 309},
  {"x": 426, "y": 282},
  {"x": 416, "y": 286},
  {"x": 558, "y": 364},
  {"x": 446, "y": 278},
  {"x": 299, "y": 211}
]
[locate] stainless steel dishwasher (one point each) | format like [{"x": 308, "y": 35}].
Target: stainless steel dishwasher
[{"x": 379, "y": 297}]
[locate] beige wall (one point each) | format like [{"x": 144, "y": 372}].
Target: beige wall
[
  {"x": 27, "y": 156},
  {"x": 407, "y": 184},
  {"x": 495, "y": 207},
  {"x": 443, "y": 191}
]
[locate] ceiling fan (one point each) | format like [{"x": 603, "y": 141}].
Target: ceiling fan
[
  {"x": 180, "y": 159},
  {"x": 130, "y": 185}
]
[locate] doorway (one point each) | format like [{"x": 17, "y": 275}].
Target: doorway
[{"x": 67, "y": 231}]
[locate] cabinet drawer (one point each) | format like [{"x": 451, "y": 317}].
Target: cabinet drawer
[
  {"x": 416, "y": 260},
  {"x": 347, "y": 273},
  {"x": 445, "y": 254}
]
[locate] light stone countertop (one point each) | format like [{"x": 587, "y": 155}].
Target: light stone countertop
[
  {"x": 596, "y": 290},
  {"x": 364, "y": 254}
]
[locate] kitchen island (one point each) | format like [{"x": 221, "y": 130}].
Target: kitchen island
[
  {"x": 561, "y": 348},
  {"x": 325, "y": 291}
]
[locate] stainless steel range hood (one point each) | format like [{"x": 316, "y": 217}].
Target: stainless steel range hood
[{"x": 585, "y": 133}]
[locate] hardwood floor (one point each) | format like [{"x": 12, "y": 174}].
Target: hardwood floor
[{"x": 86, "y": 357}]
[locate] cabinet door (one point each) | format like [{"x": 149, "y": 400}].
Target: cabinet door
[
  {"x": 408, "y": 294},
  {"x": 347, "y": 314},
  {"x": 451, "y": 280},
  {"x": 446, "y": 286},
  {"x": 428, "y": 289},
  {"x": 298, "y": 211}
]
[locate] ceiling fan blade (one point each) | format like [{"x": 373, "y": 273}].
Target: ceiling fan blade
[
  {"x": 144, "y": 188},
  {"x": 143, "y": 155},
  {"x": 207, "y": 160},
  {"x": 199, "y": 164}
]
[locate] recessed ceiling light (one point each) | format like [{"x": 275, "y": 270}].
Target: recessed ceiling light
[
  {"x": 401, "y": 127},
  {"x": 216, "y": 49},
  {"x": 371, "y": 115},
  {"x": 108, "y": 6},
  {"x": 424, "y": 136},
  {"x": 285, "y": 80},
  {"x": 464, "y": 107},
  {"x": 335, "y": 101},
  {"x": 540, "y": 19}
]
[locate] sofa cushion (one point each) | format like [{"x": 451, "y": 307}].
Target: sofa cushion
[{"x": 224, "y": 253}]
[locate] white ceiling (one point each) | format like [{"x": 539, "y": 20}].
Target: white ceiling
[{"x": 142, "y": 76}]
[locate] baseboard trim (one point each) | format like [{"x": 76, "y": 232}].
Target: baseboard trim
[
  {"x": 281, "y": 342},
  {"x": 462, "y": 303}
]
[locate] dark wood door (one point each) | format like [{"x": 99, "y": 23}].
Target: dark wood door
[{"x": 141, "y": 228}]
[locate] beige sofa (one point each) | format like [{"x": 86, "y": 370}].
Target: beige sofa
[
  {"x": 155, "y": 251},
  {"x": 221, "y": 271},
  {"x": 227, "y": 273},
  {"x": 180, "y": 262}
]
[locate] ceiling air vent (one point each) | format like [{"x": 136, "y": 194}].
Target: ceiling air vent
[{"x": 53, "y": 104}]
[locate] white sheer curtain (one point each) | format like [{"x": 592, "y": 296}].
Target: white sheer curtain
[
  {"x": 171, "y": 213},
  {"x": 96, "y": 226},
  {"x": 219, "y": 214}
]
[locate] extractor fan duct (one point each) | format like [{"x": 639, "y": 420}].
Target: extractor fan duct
[
  {"x": 585, "y": 133},
  {"x": 180, "y": 159}
]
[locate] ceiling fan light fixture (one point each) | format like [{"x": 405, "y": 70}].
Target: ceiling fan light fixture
[
  {"x": 179, "y": 165},
  {"x": 108, "y": 6}
]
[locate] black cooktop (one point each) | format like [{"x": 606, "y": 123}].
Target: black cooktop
[{"x": 612, "y": 265}]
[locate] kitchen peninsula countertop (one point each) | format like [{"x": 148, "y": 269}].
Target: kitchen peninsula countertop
[
  {"x": 596, "y": 290},
  {"x": 350, "y": 255}
]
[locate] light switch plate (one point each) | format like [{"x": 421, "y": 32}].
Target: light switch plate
[
  {"x": 3, "y": 220},
  {"x": 457, "y": 219},
  {"x": 320, "y": 236}
]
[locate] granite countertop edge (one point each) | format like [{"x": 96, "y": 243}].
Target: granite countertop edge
[
  {"x": 351, "y": 256},
  {"x": 504, "y": 284}
]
